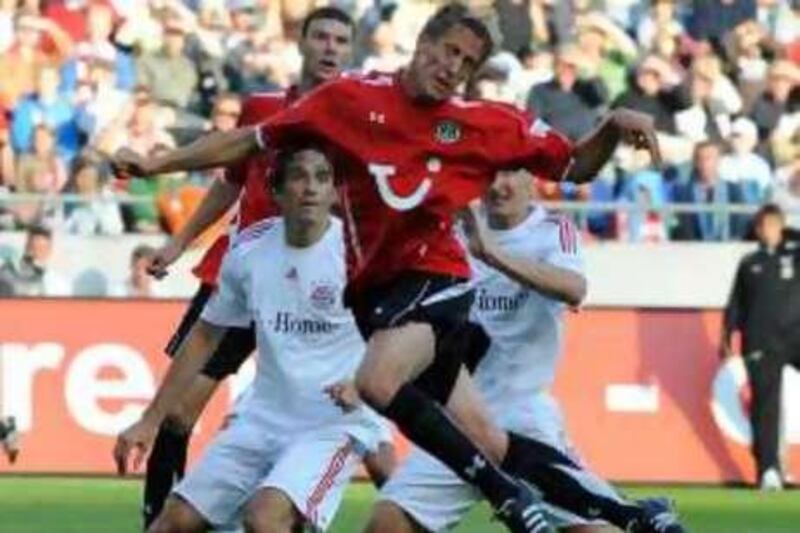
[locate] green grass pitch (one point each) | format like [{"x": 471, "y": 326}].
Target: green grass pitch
[{"x": 88, "y": 505}]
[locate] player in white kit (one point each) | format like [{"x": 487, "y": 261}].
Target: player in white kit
[
  {"x": 526, "y": 269},
  {"x": 287, "y": 456}
]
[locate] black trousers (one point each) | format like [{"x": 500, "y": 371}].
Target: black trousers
[{"x": 765, "y": 370}]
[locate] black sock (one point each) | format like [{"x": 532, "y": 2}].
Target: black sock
[
  {"x": 543, "y": 466},
  {"x": 424, "y": 422},
  {"x": 165, "y": 466}
]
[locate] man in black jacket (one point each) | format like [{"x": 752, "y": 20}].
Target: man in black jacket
[{"x": 764, "y": 306}]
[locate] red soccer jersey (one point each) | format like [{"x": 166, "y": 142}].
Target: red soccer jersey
[
  {"x": 406, "y": 167},
  {"x": 255, "y": 202}
]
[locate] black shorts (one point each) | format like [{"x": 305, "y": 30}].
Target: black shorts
[
  {"x": 441, "y": 301},
  {"x": 235, "y": 347}
]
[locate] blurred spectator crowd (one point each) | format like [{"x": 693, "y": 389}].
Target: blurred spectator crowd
[{"x": 81, "y": 78}]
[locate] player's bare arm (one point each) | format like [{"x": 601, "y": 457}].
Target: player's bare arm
[
  {"x": 219, "y": 199},
  {"x": 217, "y": 149},
  {"x": 193, "y": 354},
  {"x": 558, "y": 283},
  {"x": 622, "y": 125}
]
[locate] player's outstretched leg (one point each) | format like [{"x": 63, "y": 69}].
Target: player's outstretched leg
[
  {"x": 166, "y": 464},
  {"x": 393, "y": 357},
  {"x": 563, "y": 482}
]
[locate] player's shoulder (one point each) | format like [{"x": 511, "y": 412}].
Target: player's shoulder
[
  {"x": 488, "y": 111},
  {"x": 259, "y": 106},
  {"x": 254, "y": 234},
  {"x": 556, "y": 229}
]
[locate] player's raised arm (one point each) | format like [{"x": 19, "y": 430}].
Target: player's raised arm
[
  {"x": 593, "y": 151},
  {"x": 559, "y": 283},
  {"x": 217, "y": 149}
]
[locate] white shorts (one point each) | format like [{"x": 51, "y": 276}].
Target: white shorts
[
  {"x": 312, "y": 468},
  {"x": 438, "y": 500}
]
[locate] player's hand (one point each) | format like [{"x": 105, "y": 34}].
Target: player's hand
[
  {"x": 164, "y": 257},
  {"x": 126, "y": 163},
  {"x": 344, "y": 395},
  {"x": 479, "y": 242},
  {"x": 137, "y": 439},
  {"x": 638, "y": 130}
]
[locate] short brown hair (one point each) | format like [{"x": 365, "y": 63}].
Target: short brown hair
[{"x": 455, "y": 14}]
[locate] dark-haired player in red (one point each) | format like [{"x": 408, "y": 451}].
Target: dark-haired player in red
[
  {"x": 326, "y": 46},
  {"x": 412, "y": 155}
]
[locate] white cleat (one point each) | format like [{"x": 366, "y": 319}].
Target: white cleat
[{"x": 771, "y": 481}]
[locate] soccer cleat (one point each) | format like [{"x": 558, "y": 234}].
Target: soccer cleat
[
  {"x": 10, "y": 440},
  {"x": 524, "y": 513},
  {"x": 658, "y": 516},
  {"x": 771, "y": 481}
]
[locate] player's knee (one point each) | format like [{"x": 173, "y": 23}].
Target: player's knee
[
  {"x": 270, "y": 512},
  {"x": 176, "y": 517},
  {"x": 376, "y": 388},
  {"x": 388, "y": 517}
]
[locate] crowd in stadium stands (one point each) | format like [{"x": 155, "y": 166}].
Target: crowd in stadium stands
[{"x": 81, "y": 78}]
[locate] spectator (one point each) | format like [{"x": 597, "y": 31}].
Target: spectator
[
  {"x": 139, "y": 283},
  {"x": 781, "y": 97},
  {"x": 706, "y": 188},
  {"x": 785, "y": 140},
  {"x": 255, "y": 64},
  {"x": 710, "y": 20},
  {"x": 385, "y": 55},
  {"x": 787, "y": 194},
  {"x": 40, "y": 172},
  {"x": 96, "y": 213},
  {"x": 98, "y": 46},
  {"x": 645, "y": 188},
  {"x": 51, "y": 108},
  {"x": 709, "y": 117},
  {"x": 748, "y": 56},
  {"x": 743, "y": 167},
  {"x": 608, "y": 51},
  {"x": 7, "y": 170},
  {"x": 169, "y": 74},
  {"x": 140, "y": 127},
  {"x": 70, "y": 15},
  {"x": 37, "y": 42},
  {"x": 660, "y": 22},
  {"x": 7, "y": 12},
  {"x": 568, "y": 103},
  {"x": 32, "y": 275},
  {"x": 98, "y": 100},
  {"x": 659, "y": 92}
]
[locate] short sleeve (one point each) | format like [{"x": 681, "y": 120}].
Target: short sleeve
[
  {"x": 237, "y": 172},
  {"x": 314, "y": 114},
  {"x": 533, "y": 144},
  {"x": 228, "y": 306},
  {"x": 564, "y": 250}
]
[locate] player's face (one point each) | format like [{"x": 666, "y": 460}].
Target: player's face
[
  {"x": 326, "y": 49},
  {"x": 770, "y": 230},
  {"x": 441, "y": 65},
  {"x": 509, "y": 197},
  {"x": 308, "y": 189}
]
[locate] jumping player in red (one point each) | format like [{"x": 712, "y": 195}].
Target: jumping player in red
[
  {"x": 326, "y": 47},
  {"x": 412, "y": 155}
]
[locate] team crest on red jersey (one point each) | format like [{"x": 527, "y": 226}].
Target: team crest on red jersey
[
  {"x": 448, "y": 132},
  {"x": 323, "y": 296}
]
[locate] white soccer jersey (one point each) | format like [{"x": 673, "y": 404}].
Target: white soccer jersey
[
  {"x": 306, "y": 338},
  {"x": 524, "y": 326}
]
